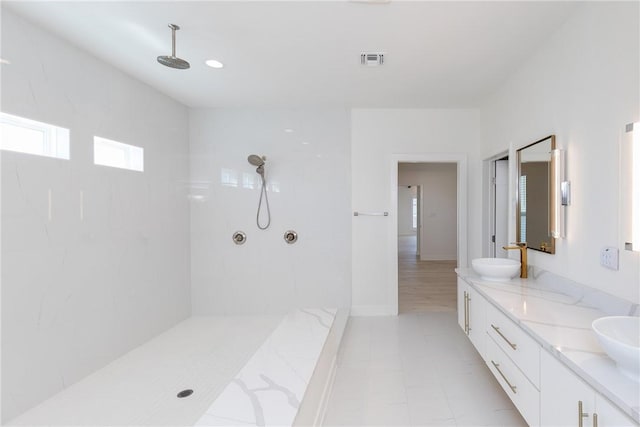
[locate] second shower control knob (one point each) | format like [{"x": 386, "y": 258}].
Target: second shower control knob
[
  {"x": 290, "y": 237},
  {"x": 239, "y": 238}
]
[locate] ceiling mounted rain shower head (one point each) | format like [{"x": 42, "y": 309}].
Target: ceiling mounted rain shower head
[
  {"x": 173, "y": 61},
  {"x": 256, "y": 160}
]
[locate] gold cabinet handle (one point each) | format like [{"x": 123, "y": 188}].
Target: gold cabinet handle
[
  {"x": 466, "y": 312},
  {"x": 595, "y": 420},
  {"x": 581, "y": 414},
  {"x": 497, "y": 366},
  {"x": 495, "y": 328}
]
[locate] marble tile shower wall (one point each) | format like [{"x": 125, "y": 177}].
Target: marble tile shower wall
[
  {"x": 308, "y": 174},
  {"x": 95, "y": 260}
]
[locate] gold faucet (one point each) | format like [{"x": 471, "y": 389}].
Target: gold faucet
[{"x": 523, "y": 256}]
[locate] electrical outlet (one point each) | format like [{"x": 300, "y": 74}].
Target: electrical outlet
[{"x": 609, "y": 258}]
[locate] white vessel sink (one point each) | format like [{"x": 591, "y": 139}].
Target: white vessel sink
[
  {"x": 619, "y": 337},
  {"x": 496, "y": 269}
]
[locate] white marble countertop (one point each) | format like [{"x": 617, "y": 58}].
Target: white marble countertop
[{"x": 559, "y": 317}]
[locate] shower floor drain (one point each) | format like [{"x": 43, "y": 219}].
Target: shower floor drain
[{"x": 185, "y": 393}]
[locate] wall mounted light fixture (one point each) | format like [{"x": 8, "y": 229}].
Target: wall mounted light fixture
[
  {"x": 560, "y": 193},
  {"x": 632, "y": 151}
]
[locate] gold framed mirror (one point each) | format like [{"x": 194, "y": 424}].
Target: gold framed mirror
[{"x": 536, "y": 195}]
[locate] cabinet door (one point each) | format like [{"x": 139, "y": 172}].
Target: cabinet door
[
  {"x": 609, "y": 415},
  {"x": 477, "y": 320},
  {"x": 560, "y": 393},
  {"x": 462, "y": 308}
]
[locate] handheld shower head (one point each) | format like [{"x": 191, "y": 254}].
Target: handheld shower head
[{"x": 256, "y": 160}]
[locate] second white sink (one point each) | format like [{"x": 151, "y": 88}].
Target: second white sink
[
  {"x": 496, "y": 269},
  {"x": 619, "y": 336}
]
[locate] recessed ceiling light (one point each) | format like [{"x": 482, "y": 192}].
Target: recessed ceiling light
[
  {"x": 214, "y": 63},
  {"x": 305, "y": 143},
  {"x": 4, "y": 61},
  {"x": 288, "y": 130}
]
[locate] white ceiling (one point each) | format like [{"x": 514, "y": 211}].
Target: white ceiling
[{"x": 292, "y": 54}]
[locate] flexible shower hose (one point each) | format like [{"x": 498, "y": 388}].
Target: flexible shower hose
[{"x": 263, "y": 191}]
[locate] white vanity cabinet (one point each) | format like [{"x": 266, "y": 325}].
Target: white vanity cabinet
[
  {"x": 543, "y": 389},
  {"x": 471, "y": 315},
  {"x": 523, "y": 350},
  {"x": 524, "y": 395},
  {"x": 608, "y": 415},
  {"x": 514, "y": 359},
  {"x": 566, "y": 400}
]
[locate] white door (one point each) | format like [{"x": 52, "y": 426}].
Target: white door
[
  {"x": 501, "y": 208},
  {"x": 418, "y": 219}
]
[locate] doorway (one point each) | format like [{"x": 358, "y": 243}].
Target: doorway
[
  {"x": 427, "y": 237},
  {"x": 500, "y": 190},
  {"x": 496, "y": 206},
  {"x": 460, "y": 159}
]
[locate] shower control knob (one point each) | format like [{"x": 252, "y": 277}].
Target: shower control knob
[
  {"x": 290, "y": 237},
  {"x": 239, "y": 238}
]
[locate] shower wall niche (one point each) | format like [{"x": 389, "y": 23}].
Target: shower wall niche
[{"x": 308, "y": 179}]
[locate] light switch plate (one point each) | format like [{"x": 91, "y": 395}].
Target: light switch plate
[{"x": 609, "y": 257}]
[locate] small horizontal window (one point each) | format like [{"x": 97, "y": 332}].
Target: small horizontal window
[
  {"x": 117, "y": 155},
  {"x": 32, "y": 137}
]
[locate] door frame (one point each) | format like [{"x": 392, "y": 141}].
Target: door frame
[
  {"x": 419, "y": 220},
  {"x": 488, "y": 200},
  {"x": 460, "y": 159}
]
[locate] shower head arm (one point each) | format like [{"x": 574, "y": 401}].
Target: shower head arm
[
  {"x": 173, "y": 42},
  {"x": 173, "y": 38}
]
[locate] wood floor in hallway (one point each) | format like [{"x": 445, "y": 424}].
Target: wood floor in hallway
[{"x": 424, "y": 285}]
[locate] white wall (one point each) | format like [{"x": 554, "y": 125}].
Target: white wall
[
  {"x": 406, "y": 194},
  {"x": 310, "y": 167},
  {"x": 376, "y": 135},
  {"x": 582, "y": 85},
  {"x": 77, "y": 292},
  {"x": 438, "y": 182}
]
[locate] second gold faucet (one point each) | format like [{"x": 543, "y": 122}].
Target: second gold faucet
[{"x": 523, "y": 256}]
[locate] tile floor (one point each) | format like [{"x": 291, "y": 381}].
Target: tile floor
[{"x": 414, "y": 369}]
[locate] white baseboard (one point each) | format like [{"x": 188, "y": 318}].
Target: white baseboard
[
  {"x": 371, "y": 310},
  {"x": 431, "y": 257}
]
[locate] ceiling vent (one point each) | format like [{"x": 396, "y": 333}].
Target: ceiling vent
[{"x": 372, "y": 59}]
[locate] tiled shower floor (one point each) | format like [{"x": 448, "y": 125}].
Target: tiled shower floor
[
  {"x": 414, "y": 369},
  {"x": 200, "y": 353}
]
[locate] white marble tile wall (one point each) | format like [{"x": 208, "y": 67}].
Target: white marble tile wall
[
  {"x": 95, "y": 260},
  {"x": 308, "y": 174}
]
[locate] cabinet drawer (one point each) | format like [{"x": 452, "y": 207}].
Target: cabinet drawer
[
  {"x": 521, "y": 392},
  {"x": 515, "y": 343}
]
